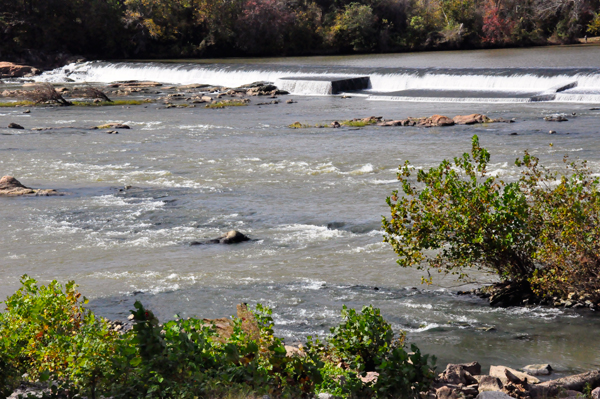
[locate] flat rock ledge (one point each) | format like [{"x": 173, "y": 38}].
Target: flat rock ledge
[
  {"x": 441, "y": 120},
  {"x": 11, "y": 187}
]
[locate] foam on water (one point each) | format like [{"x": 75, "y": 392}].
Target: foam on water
[{"x": 560, "y": 85}]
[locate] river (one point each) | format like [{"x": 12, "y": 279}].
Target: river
[{"x": 312, "y": 199}]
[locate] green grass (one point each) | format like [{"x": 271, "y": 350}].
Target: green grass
[
  {"x": 227, "y": 103},
  {"x": 17, "y": 104},
  {"x": 298, "y": 125},
  {"x": 357, "y": 123}
]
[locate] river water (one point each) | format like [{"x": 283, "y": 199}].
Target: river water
[{"x": 312, "y": 199}]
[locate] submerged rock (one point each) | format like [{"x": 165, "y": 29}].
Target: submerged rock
[
  {"x": 112, "y": 125},
  {"x": 232, "y": 237},
  {"x": 558, "y": 118},
  {"x": 537, "y": 369},
  {"x": 11, "y": 187}
]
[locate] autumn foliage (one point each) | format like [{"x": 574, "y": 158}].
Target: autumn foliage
[{"x": 199, "y": 28}]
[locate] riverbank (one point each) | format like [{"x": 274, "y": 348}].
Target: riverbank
[{"x": 144, "y": 357}]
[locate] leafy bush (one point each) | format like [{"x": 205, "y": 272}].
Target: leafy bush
[
  {"x": 366, "y": 341},
  {"x": 565, "y": 215},
  {"x": 471, "y": 219},
  {"x": 46, "y": 332},
  {"x": 533, "y": 230},
  {"x": 361, "y": 339}
]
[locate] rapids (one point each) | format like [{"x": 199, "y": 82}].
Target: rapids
[{"x": 312, "y": 198}]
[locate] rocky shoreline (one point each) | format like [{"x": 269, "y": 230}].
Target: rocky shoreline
[{"x": 505, "y": 294}]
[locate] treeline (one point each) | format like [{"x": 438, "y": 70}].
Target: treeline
[{"x": 200, "y": 28}]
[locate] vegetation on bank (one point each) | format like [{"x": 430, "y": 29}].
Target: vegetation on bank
[
  {"x": 197, "y": 28},
  {"x": 47, "y": 334},
  {"x": 542, "y": 230}
]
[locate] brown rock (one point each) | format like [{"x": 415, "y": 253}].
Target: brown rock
[
  {"x": 15, "y": 126},
  {"x": 112, "y": 125},
  {"x": 440, "y": 120},
  {"x": 574, "y": 382},
  {"x": 489, "y": 383},
  {"x": 370, "y": 378},
  {"x": 11, "y": 187},
  {"x": 500, "y": 372},
  {"x": 470, "y": 119},
  {"x": 233, "y": 237},
  {"x": 456, "y": 374},
  {"x": 293, "y": 351},
  {"x": 11, "y": 70},
  {"x": 446, "y": 393}
]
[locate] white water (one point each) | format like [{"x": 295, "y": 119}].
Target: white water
[{"x": 502, "y": 81}]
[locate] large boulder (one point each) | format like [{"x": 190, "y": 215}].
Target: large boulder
[
  {"x": 458, "y": 374},
  {"x": 11, "y": 187},
  {"x": 500, "y": 372},
  {"x": 11, "y": 70},
  {"x": 596, "y": 393},
  {"x": 576, "y": 382}
]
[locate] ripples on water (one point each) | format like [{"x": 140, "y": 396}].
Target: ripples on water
[{"x": 312, "y": 199}]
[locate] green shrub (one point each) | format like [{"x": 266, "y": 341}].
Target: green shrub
[
  {"x": 543, "y": 229},
  {"x": 404, "y": 375},
  {"x": 46, "y": 332},
  {"x": 469, "y": 218},
  {"x": 565, "y": 214},
  {"x": 366, "y": 342},
  {"x": 362, "y": 338}
]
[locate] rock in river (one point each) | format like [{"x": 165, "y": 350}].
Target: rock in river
[
  {"x": 232, "y": 237},
  {"x": 537, "y": 369},
  {"x": 11, "y": 187}
]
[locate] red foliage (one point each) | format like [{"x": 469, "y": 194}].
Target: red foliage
[
  {"x": 496, "y": 30},
  {"x": 263, "y": 24}
]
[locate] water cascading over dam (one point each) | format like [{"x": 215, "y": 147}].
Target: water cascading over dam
[{"x": 508, "y": 85}]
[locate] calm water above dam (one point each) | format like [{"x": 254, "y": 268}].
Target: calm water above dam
[{"x": 312, "y": 198}]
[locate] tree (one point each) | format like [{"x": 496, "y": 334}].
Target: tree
[
  {"x": 469, "y": 218},
  {"x": 542, "y": 230},
  {"x": 355, "y": 27},
  {"x": 262, "y": 26}
]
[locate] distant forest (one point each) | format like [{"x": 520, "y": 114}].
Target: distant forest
[{"x": 217, "y": 28}]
